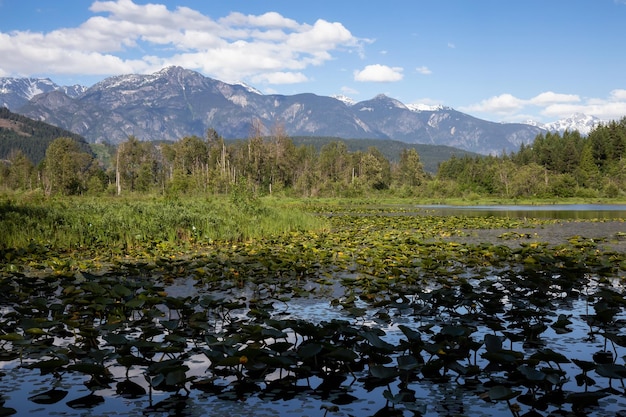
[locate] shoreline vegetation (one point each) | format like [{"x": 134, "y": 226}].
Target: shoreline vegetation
[{"x": 33, "y": 226}]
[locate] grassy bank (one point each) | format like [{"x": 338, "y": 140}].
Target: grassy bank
[{"x": 118, "y": 225}]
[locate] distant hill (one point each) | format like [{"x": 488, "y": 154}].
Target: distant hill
[
  {"x": 33, "y": 137},
  {"x": 30, "y": 136},
  {"x": 430, "y": 155}
]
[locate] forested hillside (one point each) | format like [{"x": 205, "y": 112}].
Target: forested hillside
[
  {"x": 567, "y": 165},
  {"x": 31, "y": 137},
  {"x": 558, "y": 165}
]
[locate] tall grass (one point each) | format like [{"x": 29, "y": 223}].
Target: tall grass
[{"x": 119, "y": 224}]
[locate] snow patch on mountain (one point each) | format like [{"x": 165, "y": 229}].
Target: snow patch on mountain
[
  {"x": 248, "y": 88},
  {"x": 417, "y": 107},
  {"x": 583, "y": 123}
]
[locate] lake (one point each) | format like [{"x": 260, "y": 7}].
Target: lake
[
  {"x": 552, "y": 211},
  {"x": 382, "y": 319}
]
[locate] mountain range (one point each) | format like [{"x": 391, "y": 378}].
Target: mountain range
[{"x": 175, "y": 102}]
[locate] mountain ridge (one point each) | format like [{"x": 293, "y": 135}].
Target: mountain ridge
[{"x": 175, "y": 102}]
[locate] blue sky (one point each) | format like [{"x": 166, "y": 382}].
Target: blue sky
[{"x": 499, "y": 60}]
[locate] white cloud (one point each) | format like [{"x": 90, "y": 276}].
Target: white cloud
[
  {"x": 423, "y": 70},
  {"x": 281, "y": 77},
  {"x": 552, "y": 106},
  {"x": 126, "y": 37},
  {"x": 378, "y": 73},
  {"x": 502, "y": 104},
  {"x": 550, "y": 97},
  {"x": 618, "y": 95}
]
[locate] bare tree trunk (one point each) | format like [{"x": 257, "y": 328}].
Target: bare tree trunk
[{"x": 118, "y": 180}]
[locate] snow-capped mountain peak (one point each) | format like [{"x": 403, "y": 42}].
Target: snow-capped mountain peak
[
  {"x": 345, "y": 99},
  {"x": 583, "y": 123},
  {"x": 15, "y": 92}
]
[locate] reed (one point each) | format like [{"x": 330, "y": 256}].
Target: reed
[{"x": 119, "y": 224}]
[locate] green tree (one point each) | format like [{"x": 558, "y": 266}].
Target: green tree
[
  {"x": 20, "y": 171},
  {"x": 66, "y": 167},
  {"x": 136, "y": 165},
  {"x": 410, "y": 169},
  {"x": 587, "y": 173},
  {"x": 334, "y": 166}
]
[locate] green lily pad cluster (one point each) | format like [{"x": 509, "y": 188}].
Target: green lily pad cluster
[{"x": 410, "y": 308}]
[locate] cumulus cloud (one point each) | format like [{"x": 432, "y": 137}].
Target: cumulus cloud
[
  {"x": 423, "y": 70},
  {"x": 281, "y": 77},
  {"x": 550, "y": 97},
  {"x": 502, "y": 104},
  {"x": 552, "y": 105},
  {"x": 378, "y": 73},
  {"x": 126, "y": 37}
]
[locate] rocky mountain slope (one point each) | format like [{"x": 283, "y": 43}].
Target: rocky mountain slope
[{"x": 176, "y": 102}]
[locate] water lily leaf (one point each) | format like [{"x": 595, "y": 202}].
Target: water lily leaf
[
  {"x": 170, "y": 324},
  {"x": 611, "y": 370},
  {"x": 587, "y": 398},
  {"x": 583, "y": 379},
  {"x": 116, "y": 339},
  {"x": 7, "y": 411},
  {"x": 49, "y": 397},
  {"x": 35, "y": 331},
  {"x": 121, "y": 291},
  {"x": 11, "y": 337},
  {"x": 531, "y": 373},
  {"x": 377, "y": 342},
  {"x": 176, "y": 377},
  {"x": 383, "y": 372},
  {"x": 135, "y": 303},
  {"x": 49, "y": 365},
  {"x": 89, "y": 369},
  {"x": 274, "y": 333},
  {"x": 343, "y": 354},
  {"x": 129, "y": 389},
  {"x": 455, "y": 331},
  {"x": 309, "y": 349},
  {"x": 407, "y": 363},
  {"x": 230, "y": 361},
  {"x": 500, "y": 392},
  {"x": 493, "y": 343},
  {"x": 548, "y": 355},
  {"x": 603, "y": 357},
  {"x": 88, "y": 401},
  {"x": 395, "y": 399},
  {"x": 586, "y": 366}
]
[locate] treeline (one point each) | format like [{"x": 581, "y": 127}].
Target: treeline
[
  {"x": 193, "y": 165},
  {"x": 566, "y": 165}
]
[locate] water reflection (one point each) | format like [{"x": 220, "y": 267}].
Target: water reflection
[
  {"x": 554, "y": 211},
  {"x": 282, "y": 393}
]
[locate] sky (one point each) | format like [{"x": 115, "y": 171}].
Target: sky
[{"x": 498, "y": 60}]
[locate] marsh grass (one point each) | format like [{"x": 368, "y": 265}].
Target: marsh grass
[{"x": 122, "y": 224}]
